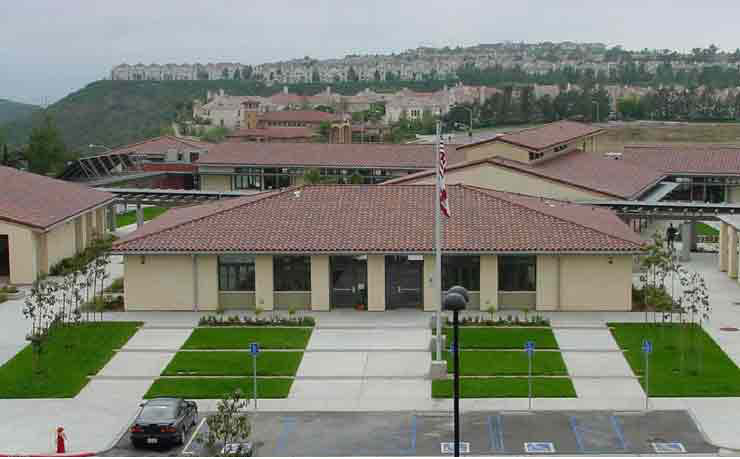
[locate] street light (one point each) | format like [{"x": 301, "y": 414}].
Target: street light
[{"x": 455, "y": 300}]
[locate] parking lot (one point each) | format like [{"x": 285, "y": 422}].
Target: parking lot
[{"x": 484, "y": 433}]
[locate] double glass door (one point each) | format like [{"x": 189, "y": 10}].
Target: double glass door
[
  {"x": 4, "y": 256},
  {"x": 348, "y": 281},
  {"x": 403, "y": 280}
]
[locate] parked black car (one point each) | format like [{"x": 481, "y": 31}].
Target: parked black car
[{"x": 163, "y": 421}]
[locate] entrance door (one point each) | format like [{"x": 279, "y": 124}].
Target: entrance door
[
  {"x": 403, "y": 280},
  {"x": 4, "y": 256},
  {"x": 348, "y": 281}
]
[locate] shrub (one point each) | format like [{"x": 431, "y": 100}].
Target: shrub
[
  {"x": 3, "y": 297},
  {"x": 116, "y": 286},
  {"x": 251, "y": 321},
  {"x": 479, "y": 320}
]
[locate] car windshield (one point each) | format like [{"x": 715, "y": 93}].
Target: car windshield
[{"x": 157, "y": 413}]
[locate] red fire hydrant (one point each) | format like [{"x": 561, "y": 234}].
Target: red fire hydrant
[{"x": 61, "y": 440}]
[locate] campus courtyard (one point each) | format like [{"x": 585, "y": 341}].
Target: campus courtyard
[{"x": 359, "y": 363}]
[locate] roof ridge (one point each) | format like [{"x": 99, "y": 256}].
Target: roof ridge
[
  {"x": 177, "y": 225},
  {"x": 557, "y": 217}
]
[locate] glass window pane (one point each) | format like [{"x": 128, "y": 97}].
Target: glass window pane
[{"x": 517, "y": 273}]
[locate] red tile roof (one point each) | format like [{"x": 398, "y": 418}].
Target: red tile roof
[
  {"x": 541, "y": 137},
  {"x": 275, "y": 133},
  {"x": 690, "y": 159},
  {"x": 588, "y": 171},
  {"x": 362, "y": 155},
  {"x": 161, "y": 145},
  {"x": 308, "y": 116},
  {"x": 385, "y": 219},
  {"x": 39, "y": 201}
]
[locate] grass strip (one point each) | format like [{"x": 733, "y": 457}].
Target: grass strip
[
  {"x": 503, "y": 338},
  {"x": 216, "y": 388},
  {"x": 233, "y": 364},
  {"x": 685, "y": 362},
  {"x": 129, "y": 218},
  {"x": 507, "y": 363},
  {"x": 240, "y": 337},
  {"x": 68, "y": 357},
  {"x": 505, "y": 387}
]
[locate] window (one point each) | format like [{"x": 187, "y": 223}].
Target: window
[
  {"x": 292, "y": 274},
  {"x": 461, "y": 270},
  {"x": 236, "y": 273},
  {"x": 517, "y": 273}
]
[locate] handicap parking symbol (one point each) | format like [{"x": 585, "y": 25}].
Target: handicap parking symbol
[
  {"x": 539, "y": 447},
  {"x": 669, "y": 448}
]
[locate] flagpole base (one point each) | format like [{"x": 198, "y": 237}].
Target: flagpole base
[{"x": 438, "y": 370}]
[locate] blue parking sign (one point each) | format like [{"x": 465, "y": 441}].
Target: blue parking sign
[
  {"x": 254, "y": 348},
  {"x": 647, "y": 346},
  {"x": 529, "y": 347}
]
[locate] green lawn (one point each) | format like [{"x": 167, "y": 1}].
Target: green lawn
[
  {"x": 240, "y": 337},
  {"x": 505, "y": 387},
  {"x": 503, "y": 338},
  {"x": 68, "y": 357},
  {"x": 129, "y": 218},
  {"x": 704, "y": 371},
  {"x": 507, "y": 363},
  {"x": 706, "y": 230},
  {"x": 233, "y": 364},
  {"x": 199, "y": 388}
]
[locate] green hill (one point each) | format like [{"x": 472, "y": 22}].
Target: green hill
[
  {"x": 11, "y": 111},
  {"x": 120, "y": 112}
]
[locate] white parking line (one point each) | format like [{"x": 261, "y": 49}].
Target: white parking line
[{"x": 192, "y": 437}]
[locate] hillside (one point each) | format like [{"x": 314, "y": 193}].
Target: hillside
[
  {"x": 120, "y": 112},
  {"x": 10, "y": 111}
]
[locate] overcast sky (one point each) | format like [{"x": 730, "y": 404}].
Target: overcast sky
[{"x": 49, "y": 48}]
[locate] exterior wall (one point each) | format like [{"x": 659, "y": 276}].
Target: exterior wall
[
  {"x": 488, "y": 282},
  {"x": 264, "y": 282},
  {"x": 215, "y": 182},
  {"x": 502, "y": 149},
  {"x": 174, "y": 282},
  {"x": 497, "y": 178},
  {"x": 22, "y": 243},
  {"x": 733, "y": 194},
  {"x": 591, "y": 283},
  {"x": 320, "y": 295},
  {"x": 724, "y": 228},
  {"x": 517, "y": 300},
  {"x": 60, "y": 243},
  {"x": 236, "y": 300},
  {"x": 294, "y": 300},
  {"x": 548, "y": 283},
  {"x": 732, "y": 254},
  {"x": 208, "y": 297},
  {"x": 376, "y": 283},
  {"x": 100, "y": 220}
]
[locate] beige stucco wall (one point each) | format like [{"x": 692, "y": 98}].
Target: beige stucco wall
[
  {"x": 376, "y": 283},
  {"x": 264, "y": 282},
  {"x": 215, "y": 182},
  {"x": 22, "y": 244},
  {"x": 732, "y": 253},
  {"x": 724, "y": 229},
  {"x": 207, "y": 266},
  {"x": 162, "y": 282},
  {"x": 320, "y": 296},
  {"x": 488, "y": 282},
  {"x": 498, "y": 178},
  {"x": 60, "y": 243},
  {"x": 548, "y": 283},
  {"x": 428, "y": 279},
  {"x": 502, "y": 149},
  {"x": 591, "y": 283}
]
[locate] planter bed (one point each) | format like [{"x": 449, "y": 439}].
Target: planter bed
[
  {"x": 505, "y": 387},
  {"x": 215, "y": 388},
  {"x": 233, "y": 363},
  {"x": 706, "y": 370},
  {"x": 506, "y": 363},
  {"x": 69, "y": 356},
  {"x": 241, "y": 337}
]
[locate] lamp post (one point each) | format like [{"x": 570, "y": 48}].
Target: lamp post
[{"x": 455, "y": 300}]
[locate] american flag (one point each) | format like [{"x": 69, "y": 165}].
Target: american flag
[{"x": 444, "y": 203}]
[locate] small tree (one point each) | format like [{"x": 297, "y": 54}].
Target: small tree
[
  {"x": 230, "y": 423},
  {"x": 695, "y": 303},
  {"x": 658, "y": 265}
]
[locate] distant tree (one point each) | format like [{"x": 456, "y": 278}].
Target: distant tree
[
  {"x": 237, "y": 74},
  {"x": 46, "y": 152},
  {"x": 352, "y": 74},
  {"x": 376, "y": 75},
  {"x": 315, "y": 76},
  {"x": 6, "y": 156},
  {"x": 215, "y": 134},
  {"x": 225, "y": 74}
]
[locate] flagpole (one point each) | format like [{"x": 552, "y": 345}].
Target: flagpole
[{"x": 438, "y": 247}]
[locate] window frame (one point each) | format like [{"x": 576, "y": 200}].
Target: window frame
[
  {"x": 281, "y": 280},
  {"x": 234, "y": 268},
  {"x": 518, "y": 262}
]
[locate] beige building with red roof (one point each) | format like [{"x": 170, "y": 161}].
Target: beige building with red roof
[
  {"x": 323, "y": 247},
  {"x": 44, "y": 220}
]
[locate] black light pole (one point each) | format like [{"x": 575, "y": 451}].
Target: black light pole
[{"x": 455, "y": 301}]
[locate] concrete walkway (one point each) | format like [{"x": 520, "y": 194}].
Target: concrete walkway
[{"x": 349, "y": 361}]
